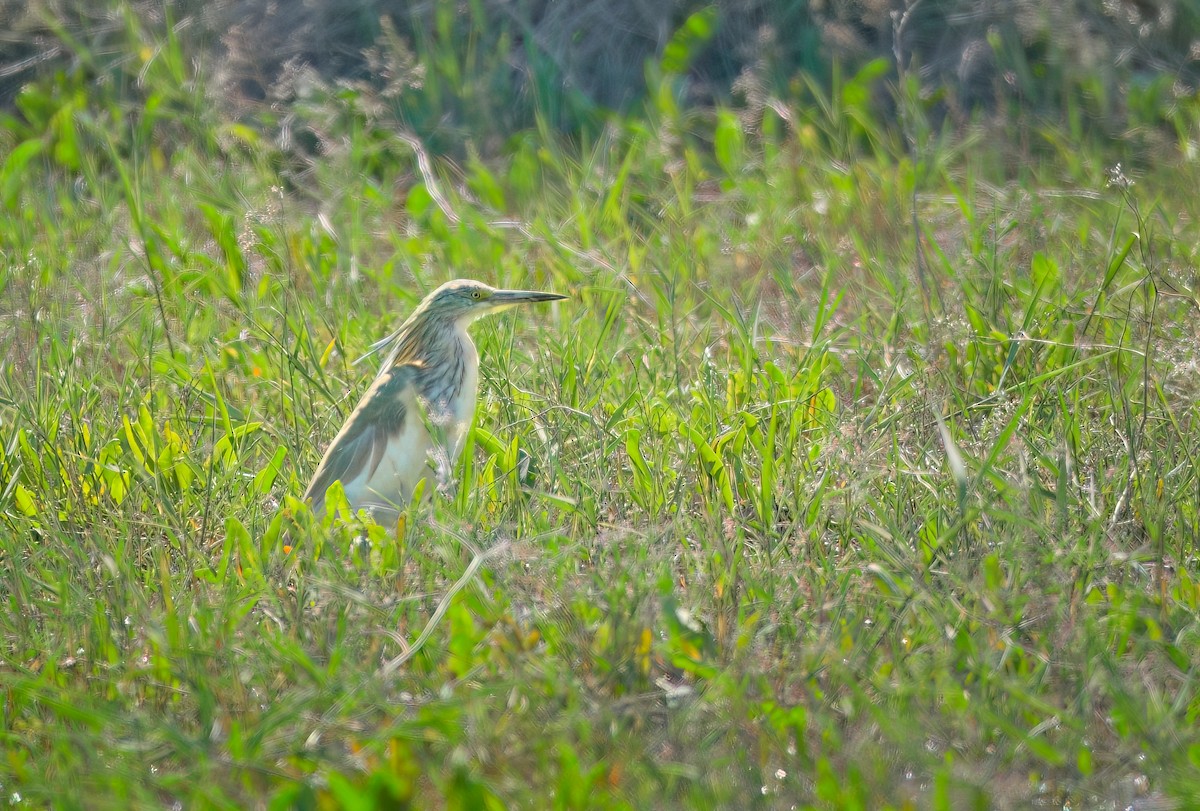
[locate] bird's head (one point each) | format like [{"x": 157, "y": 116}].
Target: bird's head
[
  {"x": 463, "y": 300},
  {"x": 455, "y": 304}
]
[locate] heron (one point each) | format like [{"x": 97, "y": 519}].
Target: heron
[{"x": 411, "y": 423}]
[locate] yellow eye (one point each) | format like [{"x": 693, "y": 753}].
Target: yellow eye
[{"x": 475, "y": 294}]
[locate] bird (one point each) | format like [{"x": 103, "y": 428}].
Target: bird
[{"x": 410, "y": 424}]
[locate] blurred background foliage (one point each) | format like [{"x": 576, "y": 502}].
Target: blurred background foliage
[{"x": 468, "y": 75}]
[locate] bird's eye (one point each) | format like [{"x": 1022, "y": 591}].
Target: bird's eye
[{"x": 475, "y": 294}]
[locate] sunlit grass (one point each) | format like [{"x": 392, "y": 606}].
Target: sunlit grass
[{"x": 760, "y": 517}]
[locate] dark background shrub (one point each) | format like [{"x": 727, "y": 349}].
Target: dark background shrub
[{"x": 490, "y": 67}]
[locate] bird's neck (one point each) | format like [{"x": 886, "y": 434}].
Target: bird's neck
[
  {"x": 423, "y": 342},
  {"x": 445, "y": 352},
  {"x": 448, "y": 384}
]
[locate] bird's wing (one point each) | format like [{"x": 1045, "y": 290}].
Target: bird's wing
[{"x": 360, "y": 445}]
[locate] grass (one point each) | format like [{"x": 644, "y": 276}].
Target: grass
[{"x": 807, "y": 498}]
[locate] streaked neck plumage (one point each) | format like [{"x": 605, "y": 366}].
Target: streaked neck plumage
[
  {"x": 424, "y": 335},
  {"x": 449, "y": 364}
]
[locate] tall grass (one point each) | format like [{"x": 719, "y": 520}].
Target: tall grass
[{"x": 759, "y": 518}]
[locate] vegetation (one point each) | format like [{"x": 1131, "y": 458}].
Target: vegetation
[
  {"x": 479, "y": 71},
  {"x": 858, "y": 472}
]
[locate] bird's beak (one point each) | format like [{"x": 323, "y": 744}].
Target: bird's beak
[{"x": 503, "y": 299}]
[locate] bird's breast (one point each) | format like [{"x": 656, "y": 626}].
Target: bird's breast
[
  {"x": 464, "y": 404},
  {"x": 449, "y": 392}
]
